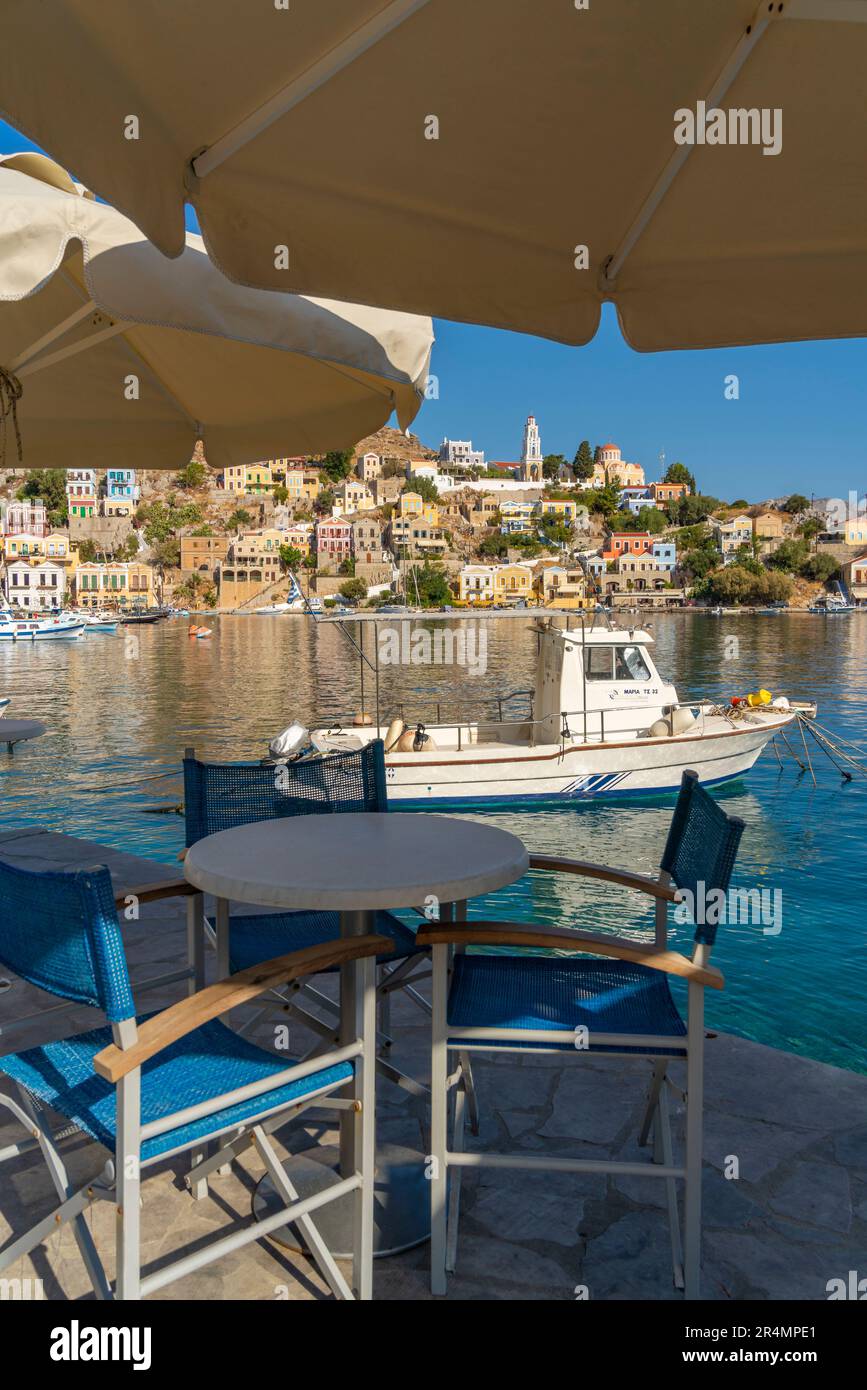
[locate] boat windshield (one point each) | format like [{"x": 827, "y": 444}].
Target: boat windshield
[
  {"x": 629, "y": 664},
  {"x": 615, "y": 663}
]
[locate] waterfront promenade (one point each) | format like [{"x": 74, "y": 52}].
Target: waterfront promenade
[{"x": 794, "y": 1219}]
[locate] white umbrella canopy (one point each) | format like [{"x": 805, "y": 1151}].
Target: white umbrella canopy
[
  {"x": 117, "y": 354},
  {"x": 307, "y": 125}
]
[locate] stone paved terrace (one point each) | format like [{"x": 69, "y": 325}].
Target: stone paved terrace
[{"x": 796, "y": 1217}]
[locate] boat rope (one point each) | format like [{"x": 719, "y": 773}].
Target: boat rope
[
  {"x": 837, "y": 750},
  {"x": 125, "y": 786},
  {"x": 10, "y": 394}
]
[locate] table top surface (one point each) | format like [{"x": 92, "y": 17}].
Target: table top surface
[{"x": 356, "y": 861}]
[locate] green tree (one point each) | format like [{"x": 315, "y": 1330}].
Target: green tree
[
  {"x": 603, "y": 500},
  {"x": 290, "y": 557},
  {"x": 693, "y": 508},
  {"x": 822, "y": 567},
  {"x": 433, "y": 588},
  {"x": 797, "y": 504},
  {"x": 679, "y": 473},
  {"x": 495, "y": 545},
  {"x": 699, "y": 562},
  {"x": 551, "y": 465},
  {"x": 354, "y": 590},
  {"x": 789, "y": 556},
  {"x": 50, "y": 485},
  {"x": 193, "y": 475},
  {"x": 346, "y": 566},
  {"x": 238, "y": 519},
  {"x": 425, "y": 487},
  {"x": 337, "y": 465},
  {"x": 810, "y": 527},
  {"x": 280, "y": 493},
  {"x": 582, "y": 464},
  {"x": 652, "y": 519}
]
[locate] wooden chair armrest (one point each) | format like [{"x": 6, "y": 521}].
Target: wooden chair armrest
[
  {"x": 564, "y": 939},
  {"x": 151, "y": 892},
  {"x": 640, "y": 882},
  {"x": 188, "y": 1014}
]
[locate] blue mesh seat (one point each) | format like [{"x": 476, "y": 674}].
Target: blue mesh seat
[
  {"x": 221, "y": 796},
  {"x": 209, "y": 1062},
  {"x": 541, "y": 992}
]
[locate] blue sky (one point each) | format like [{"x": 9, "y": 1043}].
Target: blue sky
[{"x": 800, "y": 423}]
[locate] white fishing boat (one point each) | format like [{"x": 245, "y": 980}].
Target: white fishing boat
[
  {"x": 95, "y": 621},
  {"x": 277, "y": 610},
  {"x": 5, "y": 702},
  {"x": 600, "y": 721},
  {"x": 60, "y": 627}
]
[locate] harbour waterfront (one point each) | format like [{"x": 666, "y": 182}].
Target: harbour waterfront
[{"x": 120, "y": 711}]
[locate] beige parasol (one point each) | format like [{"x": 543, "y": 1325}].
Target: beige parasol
[
  {"x": 456, "y": 156},
  {"x": 110, "y": 353}
]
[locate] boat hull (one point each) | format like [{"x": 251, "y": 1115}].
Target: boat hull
[{"x": 642, "y": 767}]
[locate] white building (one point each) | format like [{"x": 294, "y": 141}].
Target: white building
[
  {"x": 459, "y": 453},
  {"x": 27, "y": 518},
  {"x": 531, "y": 452},
  {"x": 476, "y": 583},
  {"x": 36, "y": 587}
]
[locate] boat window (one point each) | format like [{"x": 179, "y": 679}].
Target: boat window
[
  {"x": 629, "y": 664},
  {"x": 598, "y": 663}
]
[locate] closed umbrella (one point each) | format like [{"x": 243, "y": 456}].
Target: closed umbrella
[
  {"x": 457, "y": 157},
  {"x": 110, "y": 353}
]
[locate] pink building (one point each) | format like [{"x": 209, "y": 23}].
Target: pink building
[
  {"x": 29, "y": 518},
  {"x": 333, "y": 541}
]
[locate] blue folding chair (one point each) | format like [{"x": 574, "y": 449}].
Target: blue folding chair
[
  {"x": 151, "y": 1088},
  {"x": 620, "y": 1005},
  {"x": 221, "y": 796}
]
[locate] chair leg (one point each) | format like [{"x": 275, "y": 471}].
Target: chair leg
[
  {"x": 659, "y": 1070},
  {"x": 439, "y": 1122},
  {"x": 128, "y": 1163},
  {"x": 313, "y": 1240},
  {"x": 60, "y": 1178},
  {"x": 470, "y": 1088},
  {"x": 663, "y": 1152},
  {"x": 384, "y": 1007},
  {"x": 694, "y": 1103},
  {"x": 454, "y": 1187},
  {"x": 364, "y": 1093}
]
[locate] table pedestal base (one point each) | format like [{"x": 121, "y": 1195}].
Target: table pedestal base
[{"x": 401, "y": 1201}]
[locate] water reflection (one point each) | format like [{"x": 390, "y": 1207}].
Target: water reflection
[{"x": 118, "y": 719}]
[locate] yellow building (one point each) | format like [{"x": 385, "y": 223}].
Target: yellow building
[
  {"x": 563, "y": 509},
  {"x": 123, "y": 584},
  {"x": 512, "y": 582},
  {"x": 245, "y": 478},
  {"x": 563, "y": 587},
  {"x": 251, "y": 566},
  {"x": 302, "y": 484},
  {"x": 413, "y": 504},
  {"x": 54, "y": 546}
]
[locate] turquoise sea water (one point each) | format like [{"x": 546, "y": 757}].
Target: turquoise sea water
[{"x": 119, "y": 714}]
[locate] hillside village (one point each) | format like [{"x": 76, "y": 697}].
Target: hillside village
[{"x": 435, "y": 528}]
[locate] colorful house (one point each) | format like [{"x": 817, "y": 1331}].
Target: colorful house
[
  {"x": 121, "y": 584},
  {"x": 28, "y": 517},
  {"x": 333, "y": 542},
  {"x": 81, "y": 498},
  {"x": 512, "y": 582},
  {"x": 122, "y": 492},
  {"x": 244, "y": 478},
  {"x": 476, "y": 583}
]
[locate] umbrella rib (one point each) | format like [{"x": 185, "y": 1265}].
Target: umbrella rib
[
  {"x": 72, "y": 350},
  {"x": 744, "y": 47},
  {"x": 52, "y": 335},
  {"x": 304, "y": 85}
]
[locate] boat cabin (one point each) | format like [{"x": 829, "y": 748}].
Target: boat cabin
[{"x": 594, "y": 683}]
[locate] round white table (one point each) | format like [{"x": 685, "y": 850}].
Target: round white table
[{"x": 356, "y": 863}]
